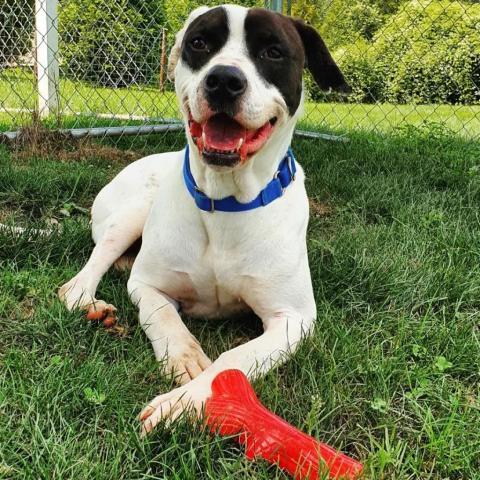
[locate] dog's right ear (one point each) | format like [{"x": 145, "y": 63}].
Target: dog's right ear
[
  {"x": 177, "y": 47},
  {"x": 319, "y": 60}
]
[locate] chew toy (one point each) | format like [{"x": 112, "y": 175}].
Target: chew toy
[{"x": 234, "y": 409}]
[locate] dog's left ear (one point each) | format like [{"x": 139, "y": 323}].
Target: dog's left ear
[{"x": 319, "y": 61}]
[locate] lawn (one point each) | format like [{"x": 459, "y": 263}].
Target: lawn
[
  {"x": 391, "y": 375},
  {"x": 81, "y": 103}
]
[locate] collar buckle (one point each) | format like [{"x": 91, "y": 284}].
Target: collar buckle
[
  {"x": 290, "y": 169},
  {"x": 275, "y": 177}
]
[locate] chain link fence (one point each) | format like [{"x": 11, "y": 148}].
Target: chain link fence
[{"x": 98, "y": 67}]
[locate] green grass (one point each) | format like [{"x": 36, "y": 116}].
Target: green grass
[
  {"x": 17, "y": 92},
  {"x": 390, "y": 376}
]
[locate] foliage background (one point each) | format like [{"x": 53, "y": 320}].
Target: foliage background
[
  {"x": 400, "y": 51},
  {"x": 16, "y": 29}
]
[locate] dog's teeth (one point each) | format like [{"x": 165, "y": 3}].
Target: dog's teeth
[
  {"x": 218, "y": 150},
  {"x": 240, "y": 143},
  {"x": 204, "y": 137}
]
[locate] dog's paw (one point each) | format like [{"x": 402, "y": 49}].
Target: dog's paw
[
  {"x": 168, "y": 407},
  {"x": 75, "y": 295},
  {"x": 186, "y": 360},
  {"x": 101, "y": 311}
]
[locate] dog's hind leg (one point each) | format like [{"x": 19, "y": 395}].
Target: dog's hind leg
[
  {"x": 118, "y": 232},
  {"x": 126, "y": 261}
]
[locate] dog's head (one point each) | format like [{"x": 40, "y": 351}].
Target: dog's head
[{"x": 238, "y": 76}]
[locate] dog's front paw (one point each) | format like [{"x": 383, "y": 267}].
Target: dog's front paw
[
  {"x": 169, "y": 406},
  {"x": 186, "y": 360},
  {"x": 102, "y": 312},
  {"x": 76, "y": 296}
]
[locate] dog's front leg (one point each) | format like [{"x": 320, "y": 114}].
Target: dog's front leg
[
  {"x": 283, "y": 332},
  {"x": 121, "y": 230},
  {"x": 170, "y": 338}
]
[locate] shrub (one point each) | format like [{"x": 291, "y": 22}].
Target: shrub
[
  {"x": 351, "y": 24},
  {"x": 16, "y": 29},
  {"x": 429, "y": 52},
  {"x": 364, "y": 72},
  {"x": 111, "y": 42},
  {"x": 344, "y": 21},
  {"x": 363, "y": 19},
  {"x": 118, "y": 42}
]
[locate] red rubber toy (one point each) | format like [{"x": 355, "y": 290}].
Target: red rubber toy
[{"x": 234, "y": 409}]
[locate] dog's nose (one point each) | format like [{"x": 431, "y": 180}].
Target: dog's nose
[{"x": 224, "y": 83}]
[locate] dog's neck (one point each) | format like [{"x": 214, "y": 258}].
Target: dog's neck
[{"x": 245, "y": 182}]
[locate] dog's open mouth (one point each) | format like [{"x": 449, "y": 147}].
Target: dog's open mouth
[{"x": 225, "y": 142}]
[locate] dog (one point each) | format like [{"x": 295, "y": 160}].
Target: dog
[{"x": 222, "y": 223}]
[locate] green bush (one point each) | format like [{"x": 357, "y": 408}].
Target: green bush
[
  {"x": 429, "y": 52},
  {"x": 364, "y": 72},
  {"x": 16, "y": 29},
  {"x": 111, "y": 42},
  {"x": 118, "y": 42},
  {"x": 352, "y": 24},
  {"x": 344, "y": 21}
]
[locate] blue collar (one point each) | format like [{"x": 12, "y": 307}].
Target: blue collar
[{"x": 274, "y": 189}]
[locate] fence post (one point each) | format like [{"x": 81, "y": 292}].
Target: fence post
[
  {"x": 163, "y": 59},
  {"x": 277, "y": 5},
  {"x": 46, "y": 54}
]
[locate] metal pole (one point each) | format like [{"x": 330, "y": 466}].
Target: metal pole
[
  {"x": 276, "y": 5},
  {"x": 46, "y": 26},
  {"x": 100, "y": 132}
]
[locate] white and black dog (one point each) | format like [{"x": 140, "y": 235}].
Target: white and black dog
[{"x": 222, "y": 223}]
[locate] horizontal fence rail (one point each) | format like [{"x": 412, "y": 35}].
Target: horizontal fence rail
[{"x": 97, "y": 68}]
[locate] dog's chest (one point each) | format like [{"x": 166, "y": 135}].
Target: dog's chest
[
  {"x": 203, "y": 284},
  {"x": 204, "y": 294},
  {"x": 212, "y": 262},
  {"x": 206, "y": 272}
]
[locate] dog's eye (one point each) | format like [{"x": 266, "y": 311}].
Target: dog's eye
[
  {"x": 273, "y": 53},
  {"x": 198, "y": 44}
]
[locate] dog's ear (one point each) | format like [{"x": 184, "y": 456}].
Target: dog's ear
[
  {"x": 319, "y": 61},
  {"x": 177, "y": 47}
]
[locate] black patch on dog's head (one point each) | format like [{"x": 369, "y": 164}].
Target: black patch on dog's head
[
  {"x": 269, "y": 34},
  {"x": 281, "y": 47},
  {"x": 204, "y": 37}
]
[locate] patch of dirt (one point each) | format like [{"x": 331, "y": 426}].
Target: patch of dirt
[
  {"x": 320, "y": 209},
  {"x": 38, "y": 141},
  {"x": 27, "y": 307},
  {"x": 4, "y": 214},
  {"x": 88, "y": 149},
  {"x": 7, "y": 213}
]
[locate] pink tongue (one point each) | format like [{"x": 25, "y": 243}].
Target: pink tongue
[{"x": 223, "y": 133}]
